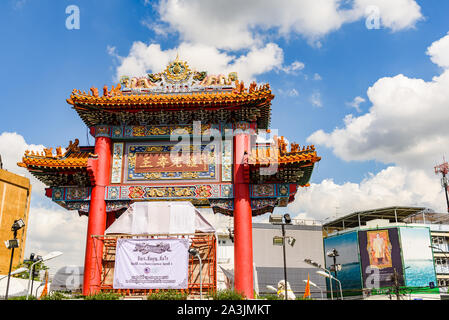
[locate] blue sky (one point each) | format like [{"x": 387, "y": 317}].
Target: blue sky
[
  {"x": 318, "y": 56},
  {"x": 48, "y": 61}
]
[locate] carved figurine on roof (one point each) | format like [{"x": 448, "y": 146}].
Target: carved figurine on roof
[{"x": 178, "y": 77}]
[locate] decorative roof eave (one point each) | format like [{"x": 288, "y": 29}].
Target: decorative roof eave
[
  {"x": 175, "y": 114},
  {"x": 272, "y": 163},
  {"x": 290, "y": 160},
  {"x": 73, "y": 158},
  {"x": 277, "y": 154},
  {"x": 261, "y": 96},
  {"x": 65, "y": 168}
]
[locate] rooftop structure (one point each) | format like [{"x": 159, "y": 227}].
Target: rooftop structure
[{"x": 360, "y": 218}]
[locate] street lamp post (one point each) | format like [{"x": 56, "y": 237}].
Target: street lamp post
[
  {"x": 334, "y": 254},
  {"x": 330, "y": 276},
  {"x": 285, "y": 261},
  {"x": 317, "y": 265},
  {"x": 33, "y": 258},
  {"x": 47, "y": 257},
  {"x": 283, "y": 220},
  {"x": 193, "y": 252},
  {"x": 20, "y": 270},
  {"x": 12, "y": 244}
]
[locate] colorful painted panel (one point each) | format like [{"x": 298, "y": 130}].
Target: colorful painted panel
[
  {"x": 117, "y": 160},
  {"x": 380, "y": 255},
  {"x": 158, "y": 131},
  {"x": 226, "y": 168},
  {"x": 162, "y": 192},
  {"x": 349, "y": 275},
  {"x": 156, "y": 162},
  {"x": 263, "y": 190},
  {"x": 419, "y": 268},
  {"x": 71, "y": 194},
  {"x": 266, "y": 190},
  {"x": 164, "y": 131}
]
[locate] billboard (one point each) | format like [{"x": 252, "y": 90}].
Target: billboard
[
  {"x": 417, "y": 254},
  {"x": 347, "y": 246},
  {"x": 151, "y": 264},
  {"x": 380, "y": 257}
]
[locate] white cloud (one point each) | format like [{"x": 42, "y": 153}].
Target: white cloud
[
  {"x": 395, "y": 15},
  {"x": 57, "y": 230},
  {"x": 356, "y": 103},
  {"x": 438, "y": 52},
  {"x": 294, "y": 66},
  {"x": 234, "y": 24},
  {"x": 317, "y": 77},
  {"x": 406, "y": 124},
  {"x": 315, "y": 99},
  {"x": 289, "y": 93},
  {"x": 50, "y": 228},
  {"x": 12, "y": 149},
  {"x": 393, "y": 186},
  {"x": 144, "y": 58},
  {"x": 212, "y": 31}
]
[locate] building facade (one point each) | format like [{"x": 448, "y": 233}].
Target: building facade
[
  {"x": 386, "y": 253},
  {"x": 15, "y": 194}
]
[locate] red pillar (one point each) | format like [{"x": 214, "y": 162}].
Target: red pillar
[
  {"x": 97, "y": 217},
  {"x": 243, "y": 242}
]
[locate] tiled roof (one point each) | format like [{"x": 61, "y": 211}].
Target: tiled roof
[
  {"x": 74, "y": 157},
  {"x": 115, "y": 107},
  {"x": 278, "y": 154},
  {"x": 117, "y": 100}
]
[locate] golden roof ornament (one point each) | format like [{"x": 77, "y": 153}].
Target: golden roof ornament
[{"x": 177, "y": 70}]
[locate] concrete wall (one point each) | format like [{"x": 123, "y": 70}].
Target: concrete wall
[
  {"x": 15, "y": 194},
  {"x": 269, "y": 258}
]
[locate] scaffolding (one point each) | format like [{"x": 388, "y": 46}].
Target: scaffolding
[{"x": 204, "y": 243}]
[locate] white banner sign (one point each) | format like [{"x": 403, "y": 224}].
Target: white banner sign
[{"x": 151, "y": 264}]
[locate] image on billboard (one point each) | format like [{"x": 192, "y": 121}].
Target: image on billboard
[
  {"x": 349, "y": 274},
  {"x": 418, "y": 258},
  {"x": 380, "y": 256}
]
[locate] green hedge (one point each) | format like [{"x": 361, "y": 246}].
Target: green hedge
[
  {"x": 168, "y": 295},
  {"x": 227, "y": 295}
]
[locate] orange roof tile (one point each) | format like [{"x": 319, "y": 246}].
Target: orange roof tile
[
  {"x": 72, "y": 158},
  {"x": 119, "y": 100},
  {"x": 278, "y": 153}
]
